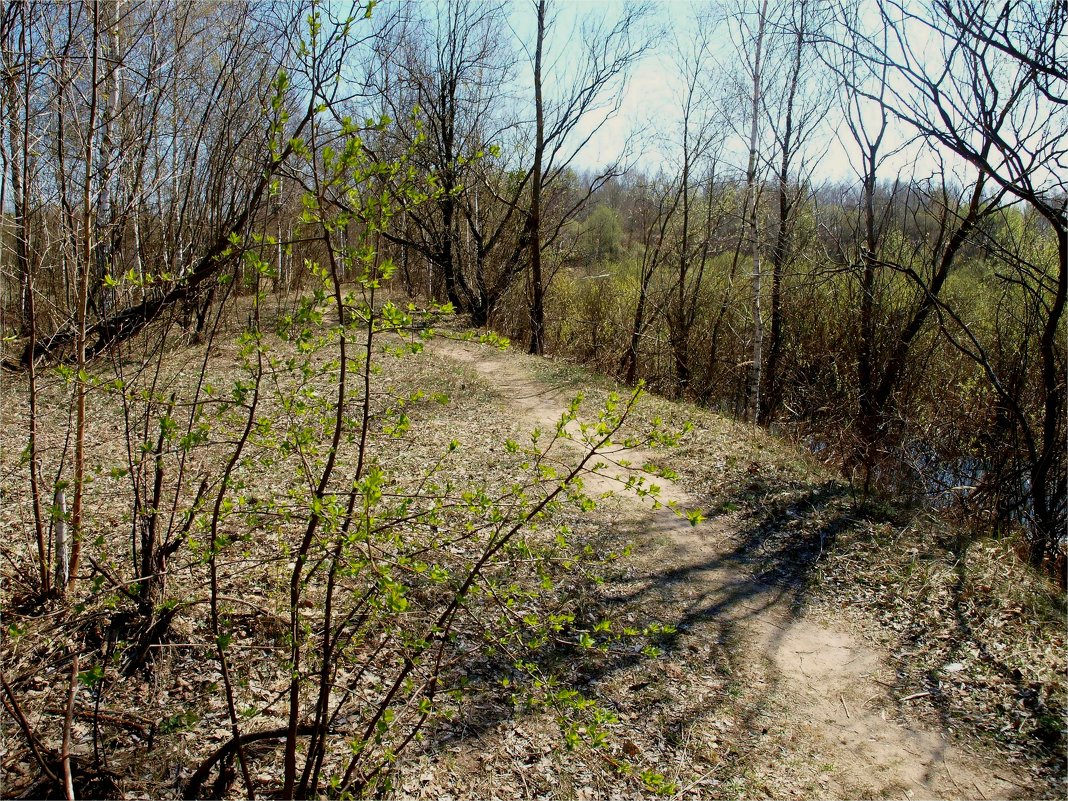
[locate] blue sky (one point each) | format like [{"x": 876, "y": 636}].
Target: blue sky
[{"x": 649, "y": 114}]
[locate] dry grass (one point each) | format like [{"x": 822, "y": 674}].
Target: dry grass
[
  {"x": 697, "y": 720},
  {"x": 970, "y": 627}
]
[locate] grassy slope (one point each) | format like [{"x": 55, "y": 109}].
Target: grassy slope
[
  {"x": 966, "y": 621},
  {"x": 902, "y": 580}
]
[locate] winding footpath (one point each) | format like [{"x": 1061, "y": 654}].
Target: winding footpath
[{"x": 823, "y": 679}]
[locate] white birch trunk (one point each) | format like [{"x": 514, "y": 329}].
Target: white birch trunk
[{"x": 752, "y": 192}]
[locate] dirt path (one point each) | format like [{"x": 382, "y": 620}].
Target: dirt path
[{"x": 826, "y": 691}]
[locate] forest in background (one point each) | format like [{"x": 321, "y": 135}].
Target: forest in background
[
  {"x": 172, "y": 169},
  {"x": 908, "y": 320}
]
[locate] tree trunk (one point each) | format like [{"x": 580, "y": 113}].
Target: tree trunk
[
  {"x": 105, "y": 237},
  {"x": 81, "y": 384},
  {"x": 782, "y": 248},
  {"x": 1048, "y": 484},
  {"x": 630, "y": 357},
  {"x": 17, "y": 160},
  {"x": 867, "y": 422},
  {"x": 537, "y": 300},
  {"x": 756, "y": 359},
  {"x": 680, "y": 335}
]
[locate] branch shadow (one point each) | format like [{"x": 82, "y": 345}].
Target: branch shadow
[
  {"x": 766, "y": 565},
  {"x": 757, "y": 565}
]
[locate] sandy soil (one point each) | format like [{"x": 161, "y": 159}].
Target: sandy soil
[{"x": 822, "y": 694}]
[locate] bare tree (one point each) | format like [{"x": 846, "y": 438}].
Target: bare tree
[
  {"x": 989, "y": 86},
  {"x": 609, "y": 51},
  {"x": 754, "y": 72},
  {"x": 451, "y": 62},
  {"x": 866, "y": 119},
  {"x": 795, "y": 109},
  {"x": 701, "y": 137}
]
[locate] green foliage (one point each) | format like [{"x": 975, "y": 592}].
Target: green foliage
[
  {"x": 657, "y": 784},
  {"x": 90, "y": 678},
  {"x": 421, "y": 573},
  {"x": 181, "y": 721},
  {"x": 601, "y": 236}
]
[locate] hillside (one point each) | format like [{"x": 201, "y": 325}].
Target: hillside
[
  {"x": 776, "y": 506},
  {"x": 792, "y": 641}
]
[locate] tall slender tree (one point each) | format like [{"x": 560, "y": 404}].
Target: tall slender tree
[
  {"x": 593, "y": 86},
  {"x": 755, "y": 73}
]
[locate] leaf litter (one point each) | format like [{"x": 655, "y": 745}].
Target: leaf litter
[{"x": 707, "y": 707}]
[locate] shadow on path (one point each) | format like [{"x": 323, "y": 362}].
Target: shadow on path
[{"x": 739, "y": 653}]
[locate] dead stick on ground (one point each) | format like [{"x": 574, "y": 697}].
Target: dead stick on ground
[
  {"x": 914, "y": 696},
  {"x": 12, "y": 705},
  {"x": 1008, "y": 780},
  {"x": 950, "y": 774},
  {"x": 693, "y": 784},
  {"x": 980, "y": 789},
  {"x": 846, "y": 708},
  {"x": 68, "y": 779},
  {"x": 139, "y": 725}
]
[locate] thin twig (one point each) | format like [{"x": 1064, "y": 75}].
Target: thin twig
[
  {"x": 1008, "y": 780},
  {"x": 914, "y": 696},
  {"x": 260, "y": 647},
  {"x": 693, "y": 784},
  {"x": 118, "y": 585},
  {"x": 68, "y": 779},
  {"x": 846, "y": 708},
  {"x": 13, "y": 707},
  {"x": 140, "y": 725},
  {"x": 950, "y": 774}
]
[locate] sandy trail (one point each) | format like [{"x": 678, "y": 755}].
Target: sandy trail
[{"x": 830, "y": 688}]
